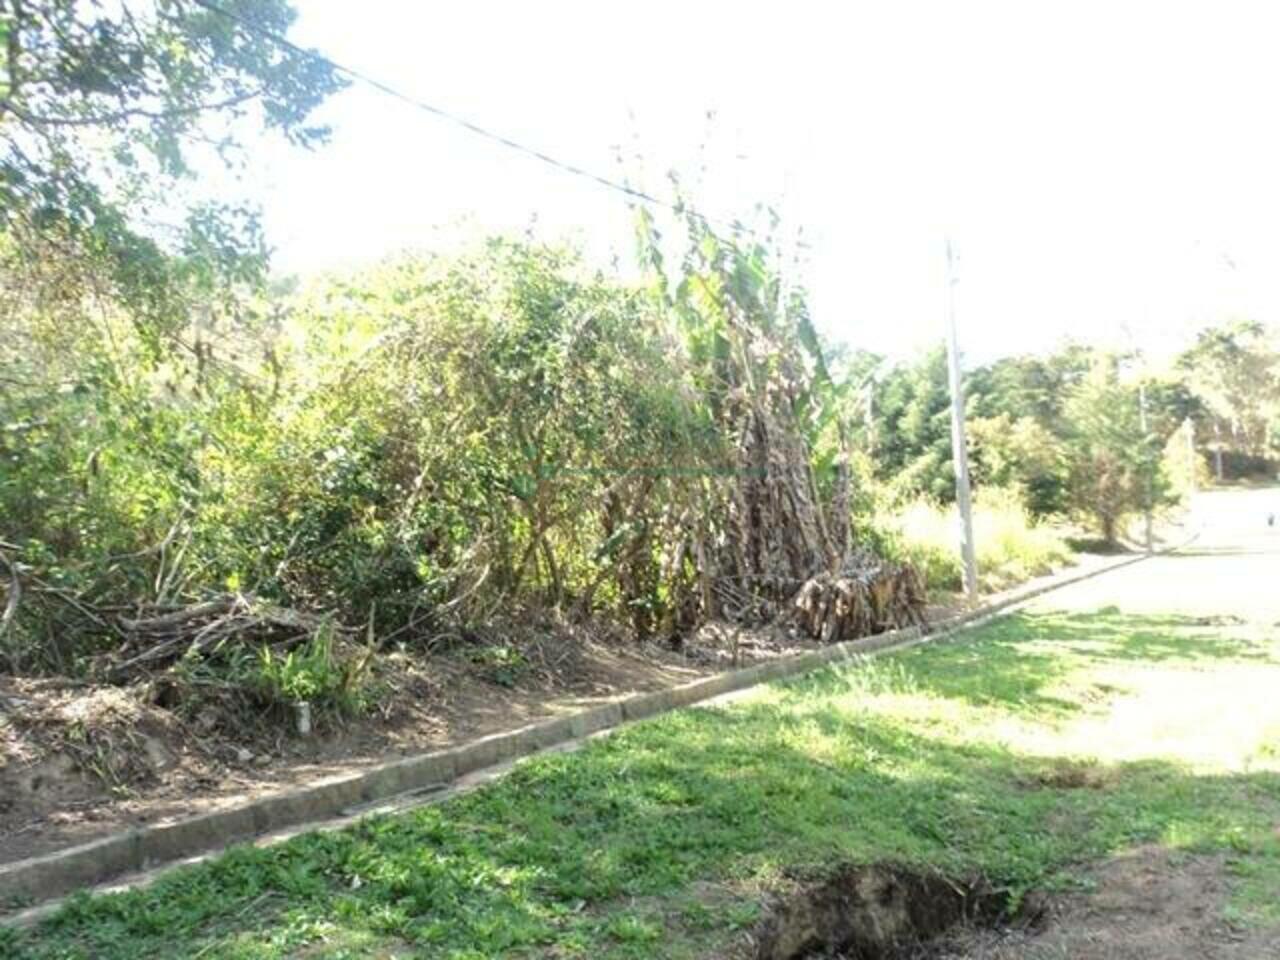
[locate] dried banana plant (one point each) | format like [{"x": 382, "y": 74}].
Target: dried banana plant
[
  {"x": 787, "y": 554},
  {"x": 776, "y": 548},
  {"x": 866, "y": 598}
]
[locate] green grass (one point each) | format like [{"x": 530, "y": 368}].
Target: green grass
[{"x": 1037, "y": 745}]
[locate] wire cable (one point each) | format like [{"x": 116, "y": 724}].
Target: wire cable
[{"x": 679, "y": 208}]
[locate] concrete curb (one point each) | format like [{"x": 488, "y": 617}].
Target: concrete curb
[{"x": 43, "y": 878}]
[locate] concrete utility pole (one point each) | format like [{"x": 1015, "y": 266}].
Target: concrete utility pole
[
  {"x": 1148, "y": 468},
  {"x": 959, "y": 447},
  {"x": 1189, "y": 429},
  {"x": 1217, "y": 451}
]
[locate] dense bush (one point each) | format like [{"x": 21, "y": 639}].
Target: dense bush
[
  {"x": 1237, "y": 465},
  {"x": 419, "y": 450},
  {"x": 432, "y": 434},
  {"x": 524, "y": 426}
]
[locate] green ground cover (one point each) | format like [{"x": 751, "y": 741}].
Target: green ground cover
[{"x": 1039, "y": 744}]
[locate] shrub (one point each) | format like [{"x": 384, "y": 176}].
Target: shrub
[{"x": 1237, "y": 465}]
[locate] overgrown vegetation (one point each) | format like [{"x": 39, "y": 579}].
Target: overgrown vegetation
[
  {"x": 216, "y": 488},
  {"x": 201, "y": 472},
  {"x": 204, "y": 474},
  {"x": 423, "y": 447},
  {"x": 1005, "y": 756}
]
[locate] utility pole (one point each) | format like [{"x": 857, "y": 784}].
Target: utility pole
[
  {"x": 959, "y": 447},
  {"x": 1189, "y": 429},
  {"x": 1217, "y": 450},
  {"x": 1148, "y": 467}
]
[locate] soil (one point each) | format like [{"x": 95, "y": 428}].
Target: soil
[
  {"x": 1151, "y": 904},
  {"x": 874, "y": 912},
  {"x": 81, "y": 761}
]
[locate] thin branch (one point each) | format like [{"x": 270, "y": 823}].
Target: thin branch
[
  {"x": 132, "y": 113},
  {"x": 72, "y": 600},
  {"x": 15, "y": 593}
]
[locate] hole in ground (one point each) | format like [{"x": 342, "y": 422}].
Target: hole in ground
[{"x": 878, "y": 912}]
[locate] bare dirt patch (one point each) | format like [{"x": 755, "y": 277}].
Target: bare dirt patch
[
  {"x": 1152, "y": 904},
  {"x": 1149, "y": 905},
  {"x": 80, "y": 761}
]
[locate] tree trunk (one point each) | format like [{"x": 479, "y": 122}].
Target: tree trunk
[{"x": 1109, "y": 529}]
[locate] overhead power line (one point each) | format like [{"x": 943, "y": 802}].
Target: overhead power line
[{"x": 681, "y": 209}]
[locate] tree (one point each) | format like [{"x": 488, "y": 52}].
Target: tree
[
  {"x": 913, "y": 428},
  {"x": 106, "y": 111},
  {"x": 1018, "y": 426},
  {"x": 1021, "y": 454},
  {"x": 1113, "y": 464},
  {"x": 1235, "y": 370},
  {"x": 1014, "y": 405},
  {"x": 1030, "y": 386}
]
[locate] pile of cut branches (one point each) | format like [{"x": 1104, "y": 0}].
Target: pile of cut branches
[
  {"x": 156, "y": 637},
  {"x": 129, "y": 641}
]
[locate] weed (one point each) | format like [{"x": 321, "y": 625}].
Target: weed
[
  {"x": 313, "y": 673},
  {"x": 501, "y": 664}
]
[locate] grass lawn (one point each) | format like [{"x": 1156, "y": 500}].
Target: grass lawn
[{"x": 1022, "y": 753}]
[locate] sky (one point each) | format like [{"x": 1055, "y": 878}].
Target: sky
[{"x": 1105, "y": 171}]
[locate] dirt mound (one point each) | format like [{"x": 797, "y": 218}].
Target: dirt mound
[{"x": 63, "y": 745}]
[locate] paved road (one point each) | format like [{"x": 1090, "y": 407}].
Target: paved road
[
  {"x": 1207, "y": 690},
  {"x": 1232, "y": 569}
]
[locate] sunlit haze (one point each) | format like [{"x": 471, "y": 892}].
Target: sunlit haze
[{"x": 1104, "y": 170}]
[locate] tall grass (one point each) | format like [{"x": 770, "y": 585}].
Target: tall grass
[{"x": 1011, "y": 546}]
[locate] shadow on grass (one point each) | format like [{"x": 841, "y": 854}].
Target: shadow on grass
[
  {"x": 1097, "y": 545},
  {"x": 557, "y": 856}
]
